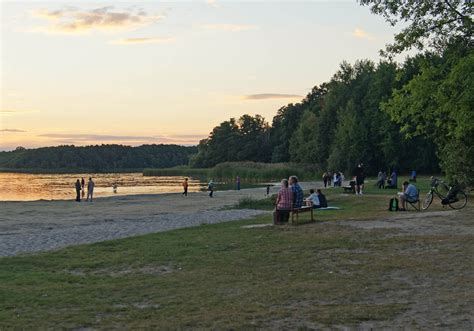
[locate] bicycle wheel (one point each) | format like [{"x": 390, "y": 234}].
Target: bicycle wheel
[
  {"x": 427, "y": 200},
  {"x": 459, "y": 201}
]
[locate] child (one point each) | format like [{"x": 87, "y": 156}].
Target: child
[{"x": 313, "y": 199}]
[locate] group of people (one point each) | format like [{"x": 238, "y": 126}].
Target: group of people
[
  {"x": 290, "y": 196},
  {"x": 210, "y": 187},
  {"x": 81, "y": 187},
  {"x": 336, "y": 178},
  {"x": 384, "y": 182}
]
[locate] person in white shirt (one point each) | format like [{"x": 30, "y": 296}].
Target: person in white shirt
[
  {"x": 90, "y": 189},
  {"x": 410, "y": 194},
  {"x": 313, "y": 199}
]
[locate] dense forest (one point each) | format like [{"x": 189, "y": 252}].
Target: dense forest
[
  {"x": 98, "y": 158},
  {"x": 411, "y": 115}
]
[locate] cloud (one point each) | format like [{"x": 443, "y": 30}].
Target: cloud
[
  {"x": 361, "y": 34},
  {"x": 189, "y": 136},
  {"x": 230, "y": 27},
  {"x": 12, "y": 130},
  {"x": 264, "y": 96},
  {"x": 143, "y": 40},
  {"x": 71, "y": 20},
  {"x": 9, "y": 112}
]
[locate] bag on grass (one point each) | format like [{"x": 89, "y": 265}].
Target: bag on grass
[{"x": 393, "y": 204}]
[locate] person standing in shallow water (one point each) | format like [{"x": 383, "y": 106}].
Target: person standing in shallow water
[
  {"x": 78, "y": 191},
  {"x": 90, "y": 189},
  {"x": 185, "y": 187}
]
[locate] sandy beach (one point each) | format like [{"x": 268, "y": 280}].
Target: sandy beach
[{"x": 47, "y": 225}]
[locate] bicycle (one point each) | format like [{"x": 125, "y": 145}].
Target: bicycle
[{"x": 454, "y": 198}]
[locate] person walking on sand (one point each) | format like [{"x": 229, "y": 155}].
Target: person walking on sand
[
  {"x": 90, "y": 189},
  {"x": 210, "y": 188},
  {"x": 78, "y": 190},
  {"x": 185, "y": 187},
  {"x": 83, "y": 184}
]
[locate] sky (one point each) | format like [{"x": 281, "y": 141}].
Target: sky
[{"x": 166, "y": 72}]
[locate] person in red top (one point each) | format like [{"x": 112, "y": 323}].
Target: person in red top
[
  {"x": 185, "y": 187},
  {"x": 284, "y": 203}
]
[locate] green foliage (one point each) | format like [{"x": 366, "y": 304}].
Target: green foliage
[
  {"x": 285, "y": 123},
  {"x": 257, "y": 172},
  {"x": 252, "y": 203},
  {"x": 336, "y": 126},
  {"x": 348, "y": 145},
  {"x": 437, "y": 104},
  {"x": 246, "y": 139},
  {"x": 302, "y": 143},
  {"x": 178, "y": 171},
  {"x": 435, "y": 24},
  {"x": 96, "y": 158},
  {"x": 247, "y": 171}
]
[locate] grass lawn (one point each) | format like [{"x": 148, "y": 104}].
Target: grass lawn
[{"x": 224, "y": 276}]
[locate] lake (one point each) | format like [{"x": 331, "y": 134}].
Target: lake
[{"x": 27, "y": 187}]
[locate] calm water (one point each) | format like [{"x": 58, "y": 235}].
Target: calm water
[{"x": 25, "y": 187}]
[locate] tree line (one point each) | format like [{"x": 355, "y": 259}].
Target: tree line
[
  {"x": 98, "y": 158},
  {"x": 415, "y": 115}
]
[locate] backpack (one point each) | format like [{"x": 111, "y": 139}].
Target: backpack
[{"x": 393, "y": 204}]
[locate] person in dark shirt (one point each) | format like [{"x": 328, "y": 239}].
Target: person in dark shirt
[
  {"x": 297, "y": 192},
  {"x": 323, "y": 203},
  {"x": 78, "y": 191},
  {"x": 359, "y": 176},
  {"x": 83, "y": 184}
]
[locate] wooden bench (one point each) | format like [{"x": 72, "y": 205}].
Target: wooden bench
[
  {"x": 297, "y": 211},
  {"x": 349, "y": 188}
]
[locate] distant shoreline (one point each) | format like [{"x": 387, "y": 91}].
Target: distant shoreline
[{"x": 68, "y": 171}]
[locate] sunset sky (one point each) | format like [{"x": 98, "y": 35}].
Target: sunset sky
[{"x": 166, "y": 72}]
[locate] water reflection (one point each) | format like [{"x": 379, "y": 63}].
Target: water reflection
[{"x": 26, "y": 187}]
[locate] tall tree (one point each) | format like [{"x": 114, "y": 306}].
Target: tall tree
[
  {"x": 245, "y": 139},
  {"x": 429, "y": 24},
  {"x": 437, "y": 104}
]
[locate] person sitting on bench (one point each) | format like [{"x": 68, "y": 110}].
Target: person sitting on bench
[
  {"x": 410, "y": 194},
  {"x": 283, "y": 203},
  {"x": 313, "y": 199},
  {"x": 297, "y": 192}
]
